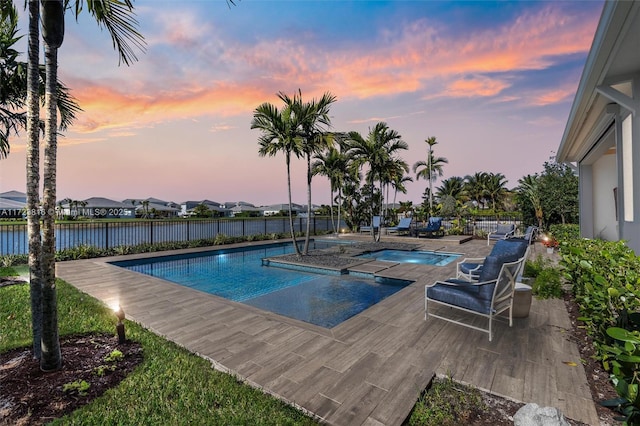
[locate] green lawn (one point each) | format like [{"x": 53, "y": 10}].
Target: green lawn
[{"x": 171, "y": 386}]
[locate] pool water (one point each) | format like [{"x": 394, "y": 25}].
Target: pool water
[
  {"x": 412, "y": 256},
  {"x": 323, "y": 299}
]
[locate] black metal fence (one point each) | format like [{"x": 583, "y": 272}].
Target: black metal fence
[{"x": 106, "y": 234}]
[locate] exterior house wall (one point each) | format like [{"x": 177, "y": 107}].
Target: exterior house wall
[
  {"x": 605, "y": 179},
  {"x": 603, "y": 130}
]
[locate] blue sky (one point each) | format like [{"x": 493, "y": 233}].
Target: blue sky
[{"x": 492, "y": 81}]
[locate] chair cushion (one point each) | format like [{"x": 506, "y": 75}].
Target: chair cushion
[
  {"x": 490, "y": 268},
  {"x": 512, "y": 249},
  {"x": 504, "y": 228},
  {"x": 468, "y": 267},
  {"x": 464, "y": 295}
]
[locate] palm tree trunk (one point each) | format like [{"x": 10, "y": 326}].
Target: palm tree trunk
[
  {"x": 339, "y": 207},
  {"x": 293, "y": 232},
  {"x": 333, "y": 223},
  {"x": 309, "y": 177},
  {"x": 51, "y": 359},
  {"x": 33, "y": 176}
]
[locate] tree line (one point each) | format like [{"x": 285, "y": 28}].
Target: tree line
[{"x": 366, "y": 172}]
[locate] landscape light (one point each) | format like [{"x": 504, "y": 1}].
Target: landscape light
[{"x": 120, "y": 326}]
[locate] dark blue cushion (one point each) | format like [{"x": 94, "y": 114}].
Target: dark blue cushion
[
  {"x": 468, "y": 267},
  {"x": 463, "y": 294},
  {"x": 490, "y": 268},
  {"x": 511, "y": 249}
]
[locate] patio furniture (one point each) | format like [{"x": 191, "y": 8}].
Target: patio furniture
[
  {"x": 470, "y": 268},
  {"x": 403, "y": 227},
  {"x": 530, "y": 234},
  {"x": 522, "y": 298},
  {"x": 504, "y": 231},
  {"x": 489, "y": 297},
  {"x": 375, "y": 225},
  {"x": 433, "y": 228}
]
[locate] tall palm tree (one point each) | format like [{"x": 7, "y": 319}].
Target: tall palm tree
[
  {"x": 117, "y": 17},
  {"x": 331, "y": 164},
  {"x": 13, "y": 83},
  {"x": 377, "y": 152},
  {"x": 475, "y": 187},
  {"x": 430, "y": 168},
  {"x": 313, "y": 118},
  {"x": 279, "y": 134},
  {"x": 496, "y": 188},
  {"x": 529, "y": 186},
  {"x": 393, "y": 177}
]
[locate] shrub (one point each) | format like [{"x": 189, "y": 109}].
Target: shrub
[
  {"x": 532, "y": 268},
  {"x": 565, "y": 232},
  {"x": 547, "y": 284}
]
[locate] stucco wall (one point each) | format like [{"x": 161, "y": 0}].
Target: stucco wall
[{"x": 605, "y": 176}]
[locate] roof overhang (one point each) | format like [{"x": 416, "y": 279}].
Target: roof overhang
[{"x": 613, "y": 60}]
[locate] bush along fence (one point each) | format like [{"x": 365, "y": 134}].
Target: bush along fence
[
  {"x": 105, "y": 234},
  {"x": 605, "y": 281}
]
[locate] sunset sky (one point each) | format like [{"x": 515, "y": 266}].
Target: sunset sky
[{"x": 492, "y": 81}]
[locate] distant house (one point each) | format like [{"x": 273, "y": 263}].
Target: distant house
[
  {"x": 275, "y": 209},
  {"x": 18, "y": 196},
  {"x": 12, "y": 204},
  {"x": 602, "y": 135},
  {"x": 186, "y": 208},
  {"x": 11, "y": 209},
  {"x": 242, "y": 207},
  {"x": 153, "y": 207},
  {"x": 98, "y": 207}
]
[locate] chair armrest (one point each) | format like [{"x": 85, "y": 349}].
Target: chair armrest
[
  {"x": 472, "y": 259},
  {"x": 463, "y": 283}
]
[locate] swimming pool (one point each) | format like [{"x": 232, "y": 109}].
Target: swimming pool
[
  {"x": 412, "y": 256},
  {"x": 325, "y": 299}
]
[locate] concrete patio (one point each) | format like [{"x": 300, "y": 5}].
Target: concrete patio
[{"x": 370, "y": 369}]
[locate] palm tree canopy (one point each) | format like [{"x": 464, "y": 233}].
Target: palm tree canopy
[
  {"x": 13, "y": 84},
  {"x": 118, "y": 17}
]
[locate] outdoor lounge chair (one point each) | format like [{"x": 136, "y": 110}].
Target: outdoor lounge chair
[
  {"x": 433, "y": 228},
  {"x": 470, "y": 268},
  {"x": 489, "y": 297},
  {"x": 504, "y": 231},
  {"x": 376, "y": 225},
  {"x": 404, "y": 226},
  {"x": 531, "y": 234}
]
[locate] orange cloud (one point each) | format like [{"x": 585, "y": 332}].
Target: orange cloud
[
  {"x": 418, "y": 58},
  {"x": 479, "y": 86}
]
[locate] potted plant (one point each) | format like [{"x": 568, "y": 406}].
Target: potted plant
[{"x": 550, "y": 243}]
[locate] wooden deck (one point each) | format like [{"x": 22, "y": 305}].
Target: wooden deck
[{"x": 370, "y": 369}]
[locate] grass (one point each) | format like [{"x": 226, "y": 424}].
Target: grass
[
  {"x": 171, "y": 386},
  {"x": 447, "y": 403}
]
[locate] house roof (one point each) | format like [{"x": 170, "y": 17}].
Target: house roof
[
  {"x": 95, "y": 202},
  {"x": 13, "y": 194},
  {"x": 612, "y": 60},
  {"x": 157, "y": 207},
  {"x": 7, "y": 204}
]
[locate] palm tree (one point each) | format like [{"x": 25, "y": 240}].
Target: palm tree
[
  {"x": 475, "y": 187},
  {"x": 331, "y": 164},
  {"x": 312, "y": 116},
  {"x": 279, "y": 134},
  {"x": 13, "y": 83},
  {"x": 496, "y": 189},
  {"x": 530, "y": 188},
  {"x": 117, "y": 17},
  {"x": 431, "y": 168},
  {"x": 377, "y": 152}
]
